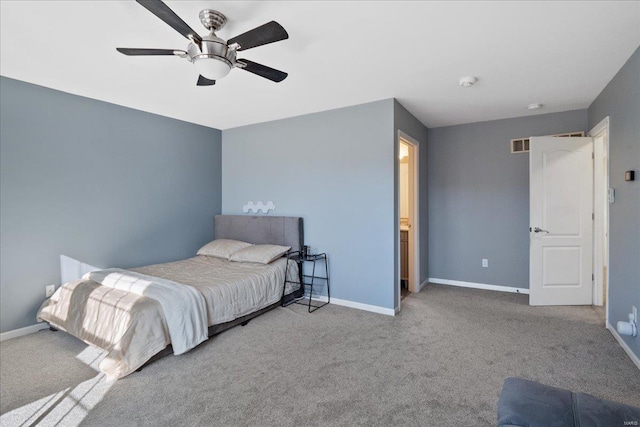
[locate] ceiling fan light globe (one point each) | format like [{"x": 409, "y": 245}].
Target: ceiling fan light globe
[{"x": 212, "y": 68}]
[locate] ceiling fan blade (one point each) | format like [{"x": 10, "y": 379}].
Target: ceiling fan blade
[
  {"x": 263, "y": 71},
  {"x": 264, "y": 34},
  {"x": 136, "y": 52},
  {"x": 203, "y": 81},
  {"x": 162, "y": 11}
]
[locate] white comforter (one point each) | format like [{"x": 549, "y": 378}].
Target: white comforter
[
  {"x": 184, "y": 306},
  {"x": 130, "y": 328},
  {"x": 126, "y": 318}
]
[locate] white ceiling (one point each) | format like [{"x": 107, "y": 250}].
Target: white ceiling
[{"x": 560, "y": 54}]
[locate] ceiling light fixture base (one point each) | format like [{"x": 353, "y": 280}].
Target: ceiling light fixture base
[
  {"x": 534, "y": 106},
  {"x": 212, "y": 19},
  {"x": 467, "y": 81}
]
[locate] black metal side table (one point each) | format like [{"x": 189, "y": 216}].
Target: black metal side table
[{"x": 310, "y": 279}]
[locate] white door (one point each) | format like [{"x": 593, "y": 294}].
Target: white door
[{"x": 561, "y": 209}]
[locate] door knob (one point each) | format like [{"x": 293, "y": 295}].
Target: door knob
[{"x": 538, "y": 230}]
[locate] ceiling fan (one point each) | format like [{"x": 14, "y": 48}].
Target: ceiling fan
[{"x": 212, "y": 57}]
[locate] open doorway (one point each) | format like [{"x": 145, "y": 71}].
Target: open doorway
[
  {"x": 408, "y": 215},
  {"x": 405, "y": 224}
]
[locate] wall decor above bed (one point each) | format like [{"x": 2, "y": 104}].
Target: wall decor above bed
[{"x": 259, "y": 206}]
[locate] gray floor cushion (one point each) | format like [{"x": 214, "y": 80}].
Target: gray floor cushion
[{"x": 525, "y": 403}]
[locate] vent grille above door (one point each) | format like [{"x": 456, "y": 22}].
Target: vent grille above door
[{"x": 521, "y": 145}]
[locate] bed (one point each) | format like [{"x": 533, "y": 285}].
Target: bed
[{"x": 140, "y": 315}]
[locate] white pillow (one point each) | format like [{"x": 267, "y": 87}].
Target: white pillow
[
  {"x": 223, "y": 248},
  {"x": 263, "y": 254}
]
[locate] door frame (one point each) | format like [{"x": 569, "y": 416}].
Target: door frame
[
  {"x": 600, "y": 135},
  {"x": 414, "y": 220}
]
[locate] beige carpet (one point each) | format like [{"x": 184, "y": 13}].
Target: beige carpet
[{"x": 440, "y": 362}]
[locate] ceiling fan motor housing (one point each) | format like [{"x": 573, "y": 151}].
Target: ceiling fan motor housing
[{"x": 214, "y": 48}]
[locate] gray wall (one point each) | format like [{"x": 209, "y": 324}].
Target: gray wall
[
  {"x": 403, "y": 120},
  {"x": 107, "y": 185},
  {"x": 335, "y": 169},
  {"x": 620, "y": 100},
  {"x": 479, "y": 197}
]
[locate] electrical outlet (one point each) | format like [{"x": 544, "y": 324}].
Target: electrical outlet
[
  {"x": 634, "y": 310},
  {"x": 49, "y": 290},
  {"x": 485, "y": 262}
]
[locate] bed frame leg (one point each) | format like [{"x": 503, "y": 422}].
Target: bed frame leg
[{"x": 245, "y": 322}]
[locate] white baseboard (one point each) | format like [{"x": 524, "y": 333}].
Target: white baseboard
[
  {"x": 624, "y": 345},
  {"x": 23, "y": 331},
  {"x": 358, "y": 305},
  {"x": 474, "y": 285},
  {"x": 423, "y": 284}
]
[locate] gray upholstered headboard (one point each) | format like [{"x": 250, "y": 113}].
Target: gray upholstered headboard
[{"x": 276, "y": 230}]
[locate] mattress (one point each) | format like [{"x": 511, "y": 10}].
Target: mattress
[
  {"x": 231, "y": 289},
  {"x": 132, "y": 328}
]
